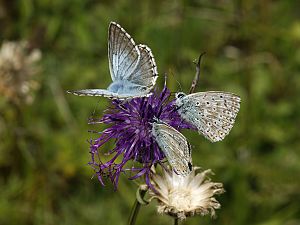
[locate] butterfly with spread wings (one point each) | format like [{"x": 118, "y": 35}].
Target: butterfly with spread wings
[{"x": 132, "y": 67}]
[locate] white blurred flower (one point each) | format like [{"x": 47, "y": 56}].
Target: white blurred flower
[
  {"x": 17, "y": 69},
  {"x": 182, "y": 197}
]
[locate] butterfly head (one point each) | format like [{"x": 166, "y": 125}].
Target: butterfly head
[
  {"x": 179, "y": 95},
  {"x": 179, "y": 100}
]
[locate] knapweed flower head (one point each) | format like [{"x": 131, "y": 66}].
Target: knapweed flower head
[
  {"x": 131, "y": 127},
  {"x": 17, "y": 70},
  {"x": 182, "y": 197}
]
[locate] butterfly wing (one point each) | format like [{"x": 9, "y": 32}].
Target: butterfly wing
[
  {"x": 100, "y": 92},
  {"x": 132, "y": 67},
  {"x": 145, "y": 73},
  {"x": 212, "y": 112},
  {"x": 175, "y": 147},
  {"x": 123, "y": 53}
]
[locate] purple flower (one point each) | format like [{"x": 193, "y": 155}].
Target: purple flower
[{"x": 130, "y": 125}]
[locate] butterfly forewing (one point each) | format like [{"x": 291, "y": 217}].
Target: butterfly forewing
[
  {"x": 123, "y": 53},
  {"x": 100, "y": 92},
  {"x": 212, "y": 112},
  {"x": 175, "y": 147}
]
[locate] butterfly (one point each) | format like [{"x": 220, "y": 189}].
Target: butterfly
[
  {"x": 175, "y": 147},
  {"x": 132, "y": 67},
  {"x": 213, "y": 113}
]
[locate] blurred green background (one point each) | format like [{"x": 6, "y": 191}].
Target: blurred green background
[{"x": 253, "y": 50}]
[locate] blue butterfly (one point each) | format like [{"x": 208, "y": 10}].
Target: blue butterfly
[{"x": 132, "y": 67}]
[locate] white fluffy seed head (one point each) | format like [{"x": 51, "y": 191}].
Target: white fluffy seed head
[{"x": 182, "y": 197}]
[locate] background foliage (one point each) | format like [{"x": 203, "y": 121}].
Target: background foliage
[{"x": 253, "y": 50}]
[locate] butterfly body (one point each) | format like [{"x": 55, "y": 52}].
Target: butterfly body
[
  {"x": 175, "y": 147},
  {"x": 213, "y": 113},
  {"x": 132, "y": 68},
  {"x": 125, "y": 87}
]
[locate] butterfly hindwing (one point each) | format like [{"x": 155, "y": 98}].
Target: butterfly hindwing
[
  {"x": 175, "y": 147},
  {"x": 145, "y": 73},
  {"x": 213, "y": 113}
]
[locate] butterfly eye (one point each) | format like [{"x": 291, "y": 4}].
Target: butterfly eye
[{"x": 180, "y": 95}]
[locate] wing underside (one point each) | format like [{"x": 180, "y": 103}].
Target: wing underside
[
  {"x": 175, "y": 147},
  {"x": 212, "y": 112}
]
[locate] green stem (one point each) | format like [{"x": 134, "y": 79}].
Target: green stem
[{"x": 135, "y": 209}]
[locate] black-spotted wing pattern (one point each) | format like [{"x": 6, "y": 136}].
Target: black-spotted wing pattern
[{"x": 213, "y": 113}]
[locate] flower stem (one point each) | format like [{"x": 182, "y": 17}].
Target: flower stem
[
  {"x": 135, "y": 209},
  {"x": 176, "y": 221},
  {"x": 196, "y": 79}
]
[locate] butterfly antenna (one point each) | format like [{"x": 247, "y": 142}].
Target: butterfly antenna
[
  {"x": 165, "y": 84},
  {"x": 196, "y": 79},
  {"x": 181, "y": 90}
]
